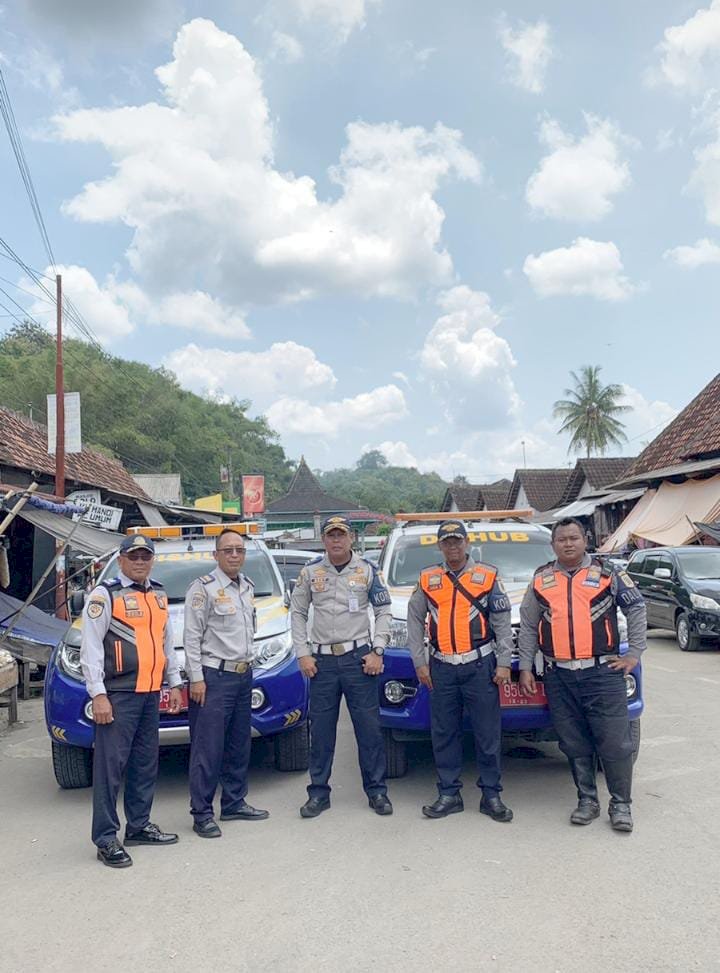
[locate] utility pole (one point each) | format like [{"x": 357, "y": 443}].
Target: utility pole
[
  {"x": 59, "y": 448},
  {"x": 231, "y": 484},
  {"x": 522, "y": 443}
]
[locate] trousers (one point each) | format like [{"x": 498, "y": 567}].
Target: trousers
[
  {"x": 128, "y": 746},
  {"x": 220, "y": 741},
  {"x": 338, "y": 676}
]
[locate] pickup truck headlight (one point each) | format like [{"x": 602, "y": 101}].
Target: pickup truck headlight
[
  {"x": 398, "y": 634},
  {"x": 701, "y": 601},
  {"x": 69, "y": 661},
  {"x": 269, "y": 653}
]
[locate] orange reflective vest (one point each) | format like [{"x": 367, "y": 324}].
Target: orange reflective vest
[
  {"x": 134, "y": 653},
  {"x": 457, "y": 625},
  {"x": 579, "y": 615}
]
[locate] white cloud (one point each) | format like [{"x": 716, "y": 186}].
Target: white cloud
[
  {"x": 686, "y": 49},
  {"x": 468, "y": 364},
  {"x": 401, "y": 377},
  {"x": 577, "y": 179},
  {"x": 100, "y": 305},
  {"x": 38, "y": 69},
  {"x": 284, "y": 368},
  {"x": 292, "y": 416},
  {"x": 586, "y": 267},
  {"x": 396, "y": 453},
  {"x": 647, "y": 419},
  {"x": 193, "y": 310},
  {"x": 285, "y": 47},
  {"x": 705, "y": 178},
  {"x": 529, "y": 52},
  {"x": 194, "y": 179},
  {"x": 342, "y": 16},
  {"x": 701, "y": 253}
]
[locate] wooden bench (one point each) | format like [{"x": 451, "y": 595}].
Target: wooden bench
[{"x": 8, "y": 686}]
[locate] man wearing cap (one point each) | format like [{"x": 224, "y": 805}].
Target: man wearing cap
[
  {"x": 569, "y": 613},
  {"x": 218, "y": 638},
  {"x": 126, "y": 649},
  {"x": 470, "y": 644},
  {"x": 339, "y": 658}
]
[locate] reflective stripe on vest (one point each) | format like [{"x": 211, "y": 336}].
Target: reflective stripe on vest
[
  {"x": 456, "y": 625},
  {"x": 134, "y": 653},
  {"x": 579, "y": 616}
]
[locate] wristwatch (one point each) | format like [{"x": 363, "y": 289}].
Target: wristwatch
[{"x": 378, "y": 650}]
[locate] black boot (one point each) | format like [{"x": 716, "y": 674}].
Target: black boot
[
  {"x": 618, "y": 776},
  {"x": 583, "y": 771}
]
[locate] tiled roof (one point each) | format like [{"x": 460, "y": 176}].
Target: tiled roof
[
  {"x": 481, "y": 496},
  {"x": 543, "y": 488},
  {"x": 693, "y": 434},
  {"x": 597, "y": 472},
  {"x": 305, "y": 495},
  {"x": 23, "y": 445}
]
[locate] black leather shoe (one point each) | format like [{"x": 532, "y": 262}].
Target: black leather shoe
[
  {"x": 445, "y": 804},
  {"x": 207, "y": 829},
  {"x": 114, "y": 855},
  {"x": 380, "y": 804},
  {"x": 494, "y": 808},
  {"x": 585, "y": 812},
  {"x": 314, "y": 806},
  {"x": 150, "y": 835},
  {"x": 245, "y": 812},
  {"x": 620, "y": 817}
]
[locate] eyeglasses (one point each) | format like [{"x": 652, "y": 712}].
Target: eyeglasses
[
  {"x": 230, "y": 550},
  {"x": 139, "y": 556}
]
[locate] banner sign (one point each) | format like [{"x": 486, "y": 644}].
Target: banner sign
[{"x": 253, "y": 495}]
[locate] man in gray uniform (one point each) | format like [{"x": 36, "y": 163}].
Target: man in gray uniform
[
  {"x": 219, "y": 632},
  {"x": 470, "y": 643},
  {"x": 569, "y": 612},
  {"x": 338, "y": 659}
]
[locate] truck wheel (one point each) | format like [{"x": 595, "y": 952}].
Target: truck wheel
[
  {"x": 292, "y": 749},
  {"x": 73, "y": 766},
  {"x": 686, "y": 638},
  {"x": 395, "y": 755},
  {"x": 635, "y": 735}
]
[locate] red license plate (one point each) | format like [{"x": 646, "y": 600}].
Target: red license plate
[
  {"x": 510, "y": 695},
  {"x": 165, "y": 698}
]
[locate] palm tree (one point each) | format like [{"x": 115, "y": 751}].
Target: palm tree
[{"x": 590, "y": 413}]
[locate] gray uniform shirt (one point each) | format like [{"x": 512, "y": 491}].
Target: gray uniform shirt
[
  {"x": 219, "y": 621},
  {"x": 340, "y": 601},
  {"x": 625, "y": 596},
  {"x": 498, "y": 616},
  {"x": 94, "y": 630}
]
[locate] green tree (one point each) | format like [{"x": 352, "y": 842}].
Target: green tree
[
  {"x": 372, "y": 460},
  {"x": 590, "y": 413}
]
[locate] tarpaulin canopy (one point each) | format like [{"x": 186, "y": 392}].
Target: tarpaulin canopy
[
  {"x": 89, "y": 540},
  {"x": 588, "y": 505},
  {"x": 712, "y": 530},
  {"x": 667, "y": 517},
  {"x": 35, "y": 635}
]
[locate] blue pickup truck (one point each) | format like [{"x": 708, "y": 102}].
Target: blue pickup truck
[
  {"x": 516, "y": 549},
  {"x": 279, "y": 694}
]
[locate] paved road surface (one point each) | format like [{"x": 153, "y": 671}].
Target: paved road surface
[{"x": 351, "y": 891}]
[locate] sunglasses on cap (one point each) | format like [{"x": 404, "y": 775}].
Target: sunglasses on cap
[{"x": 139, "y": 556}]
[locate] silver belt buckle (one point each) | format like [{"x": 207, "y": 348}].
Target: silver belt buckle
[
  {"x": 338, "y": 648},
  {"x": 241, "y": 667}
]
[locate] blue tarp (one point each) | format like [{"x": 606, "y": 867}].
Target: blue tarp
[{"x": 35, "y": 635}]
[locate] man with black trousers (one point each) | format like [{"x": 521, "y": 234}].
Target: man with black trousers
[
  {"x": 218, "y": 640},
  {"x": 470, "y": 643},
  {"x": 126, "y": 648},
  {"x": 569, "y": 613}
]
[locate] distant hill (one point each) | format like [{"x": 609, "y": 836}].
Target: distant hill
[{"x": 374, "y": 484}]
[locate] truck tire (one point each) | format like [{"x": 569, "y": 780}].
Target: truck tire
[
  {"x": 635, "y": 735},
  {"x": 686, "y": 638},
  {"x": 73, "y": 766},
  {"x": 395, "y": 755},
  {"x": 292, "y": 749}
]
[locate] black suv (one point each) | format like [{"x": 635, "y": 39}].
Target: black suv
[{"x": 681, "y": 588}]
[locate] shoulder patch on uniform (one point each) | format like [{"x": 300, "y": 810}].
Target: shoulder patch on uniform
[
  {"x": 95, "y": 608},
  {"x": 198, "y": 599},
  {"x": 625, "y": 578}
]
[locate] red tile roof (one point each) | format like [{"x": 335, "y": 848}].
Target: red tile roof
[
  {"x": 694, "y": 434},
  {"x": 597, "y": 472},
  {"x": 23, "y": 445}
]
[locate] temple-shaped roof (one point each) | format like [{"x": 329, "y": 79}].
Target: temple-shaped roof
[{"x": 306, "y": 496}]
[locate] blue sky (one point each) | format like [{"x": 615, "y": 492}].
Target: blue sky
[{"x": 387, "y": 223}]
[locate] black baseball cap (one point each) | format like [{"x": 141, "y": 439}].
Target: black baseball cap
[
  {"x": 451, "y": 528},
  {"x": 336, "y": 523},
  {"x": 137, "y": 542}
]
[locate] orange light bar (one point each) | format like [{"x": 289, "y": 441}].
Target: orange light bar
[
  {"x": 428, "y": 517},
  {"x": 197, "y": 530}
]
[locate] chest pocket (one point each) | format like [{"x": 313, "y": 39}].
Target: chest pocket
[{"x": 224, "y": 606}]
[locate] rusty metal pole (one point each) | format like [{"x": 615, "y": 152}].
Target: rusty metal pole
[{"x": 60, "y": 597}]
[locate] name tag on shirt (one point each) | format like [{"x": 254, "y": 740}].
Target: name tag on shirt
[
  {"x": 224, "y": 605},
  {"x": 353, "y": 603}
]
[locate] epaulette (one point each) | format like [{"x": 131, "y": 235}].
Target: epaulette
[
  {"x": 605, "y": 567},
  {"x": 111, "y": 583},
  {"x": 249, "y": 580},
  {"x": 433, "y": 567},
  {"x": 155, "y": 583},
  {"x": 206, "y": 578},
  {"x": 543, "y": 568},
  {"x": 315, "y": 560}
]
